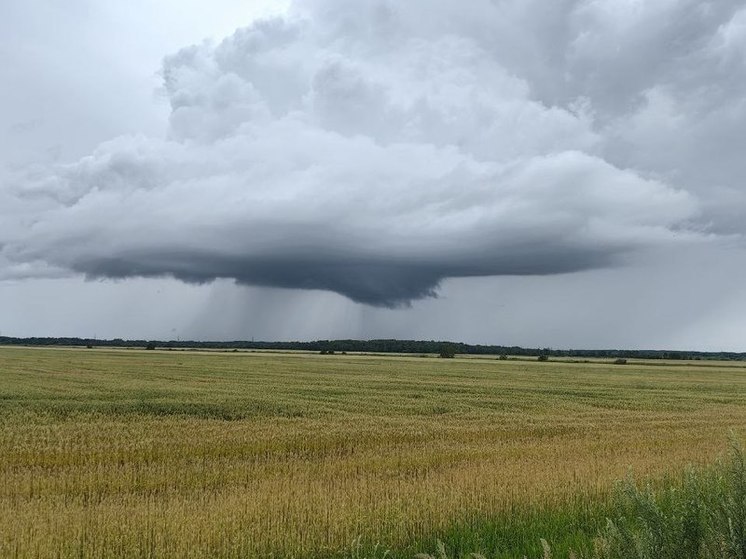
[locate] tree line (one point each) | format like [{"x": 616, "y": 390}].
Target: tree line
[{"x": 377, "y": 346}]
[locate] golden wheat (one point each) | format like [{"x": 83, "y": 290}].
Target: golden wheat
[{"x": 124, "y": 453}]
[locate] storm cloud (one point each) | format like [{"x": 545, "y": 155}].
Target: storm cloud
[{"x": 375, "y": 148}]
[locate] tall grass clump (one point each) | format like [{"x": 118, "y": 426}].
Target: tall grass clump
[
  {"x": 699, "y": 515},
  {"x": 703, "y": 517}
]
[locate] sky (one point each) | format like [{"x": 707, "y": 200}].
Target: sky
[{"x": 566, "y": 175}]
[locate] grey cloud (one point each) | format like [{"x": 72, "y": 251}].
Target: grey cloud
[
  {"x": 372, "y": 151},
  {"x": 380, "y": 283}
]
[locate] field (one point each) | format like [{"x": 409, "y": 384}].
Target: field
[{"x": 129, "y": 453}]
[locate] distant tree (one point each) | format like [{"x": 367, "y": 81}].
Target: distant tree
[
  {"x": 543, "y": 357},
  {"x": 151, "y": 345},
  {"x": 620, "y": 361},
  {"x": 503, "y": 356},
  {"x": 447, "y": 352}
]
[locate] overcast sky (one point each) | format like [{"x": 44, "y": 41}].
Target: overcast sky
[{"x": 564, "y": 174}]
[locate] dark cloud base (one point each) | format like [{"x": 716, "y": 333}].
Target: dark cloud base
[{"x": 378, "y": 283}]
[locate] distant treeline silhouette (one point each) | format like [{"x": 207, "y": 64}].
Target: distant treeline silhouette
[{"x": 378, "y": 346}]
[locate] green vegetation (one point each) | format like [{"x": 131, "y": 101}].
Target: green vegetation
[
  {"x": 128, "y": 453},
  {"x": 701, "y": 515}
]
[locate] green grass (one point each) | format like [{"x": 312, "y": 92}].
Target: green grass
[
  {"x": 128, "y": 453},
  {"x": 700, "y": 514}
]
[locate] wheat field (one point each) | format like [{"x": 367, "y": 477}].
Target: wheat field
[{"x": 170, "y": 454}]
